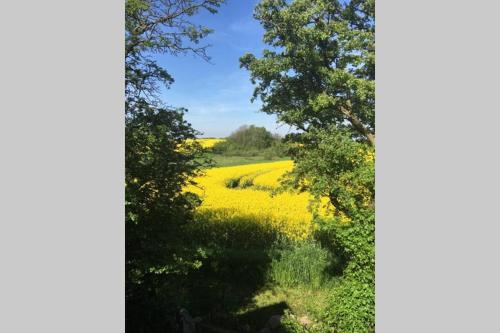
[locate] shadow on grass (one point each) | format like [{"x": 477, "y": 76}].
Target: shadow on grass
[
  {"x": 237, "y": 257},
  {"x": 258, "y": 318},
  {"x": 233, "y": 263}
]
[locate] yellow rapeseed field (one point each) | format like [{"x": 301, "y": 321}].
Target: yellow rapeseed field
[
  {"x": 241, "y": 196},
  {"x": 242, "y": 193},
  {"x": 207, "y": 143}
]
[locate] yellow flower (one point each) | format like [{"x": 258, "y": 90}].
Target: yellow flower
[
  {"x": 206, "y": 143},
  {"x": 251, "y": 200}
]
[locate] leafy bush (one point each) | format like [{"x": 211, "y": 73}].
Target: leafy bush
[
  {"x": 299, "y": 263},
  {"x": 352, "y": 309},
  {"x": 352, "y": 303},
  {"x": 329, "y": 163}
]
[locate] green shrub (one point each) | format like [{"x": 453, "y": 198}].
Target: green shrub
[
  {"x": 352, "y": 307},
  {"x": 352, "y": 303},
  {"x": 299, "y": 263}
]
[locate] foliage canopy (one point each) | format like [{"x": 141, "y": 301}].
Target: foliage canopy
[{"x": 320, "y": 69}]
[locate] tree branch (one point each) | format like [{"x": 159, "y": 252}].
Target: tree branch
[{"x": 358, "y": 125}]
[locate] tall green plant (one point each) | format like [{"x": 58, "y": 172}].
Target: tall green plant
[{"x": 302, "y": 263}]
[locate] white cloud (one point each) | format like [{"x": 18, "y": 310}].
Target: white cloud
[{"x": 249, "y": 26}]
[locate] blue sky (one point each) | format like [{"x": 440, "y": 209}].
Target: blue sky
[{"x": 217, "y": 94}]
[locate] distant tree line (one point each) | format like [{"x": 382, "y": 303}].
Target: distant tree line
[{"x": 250, "y": 140}]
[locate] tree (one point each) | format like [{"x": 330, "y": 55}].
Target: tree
[
  {"x": 252, "y": 141},
  {"x": 161, "y": 27},
  {"x": 158, "y": 160},
  {"x": 321, "y": 68},
  {"x": 319, "y": 76},
  {"x": 251, "y": 137}
]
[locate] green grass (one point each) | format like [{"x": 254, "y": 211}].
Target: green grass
[
  {"x": 223, "y": 160},
  {"x": 304, "y": 302}
]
